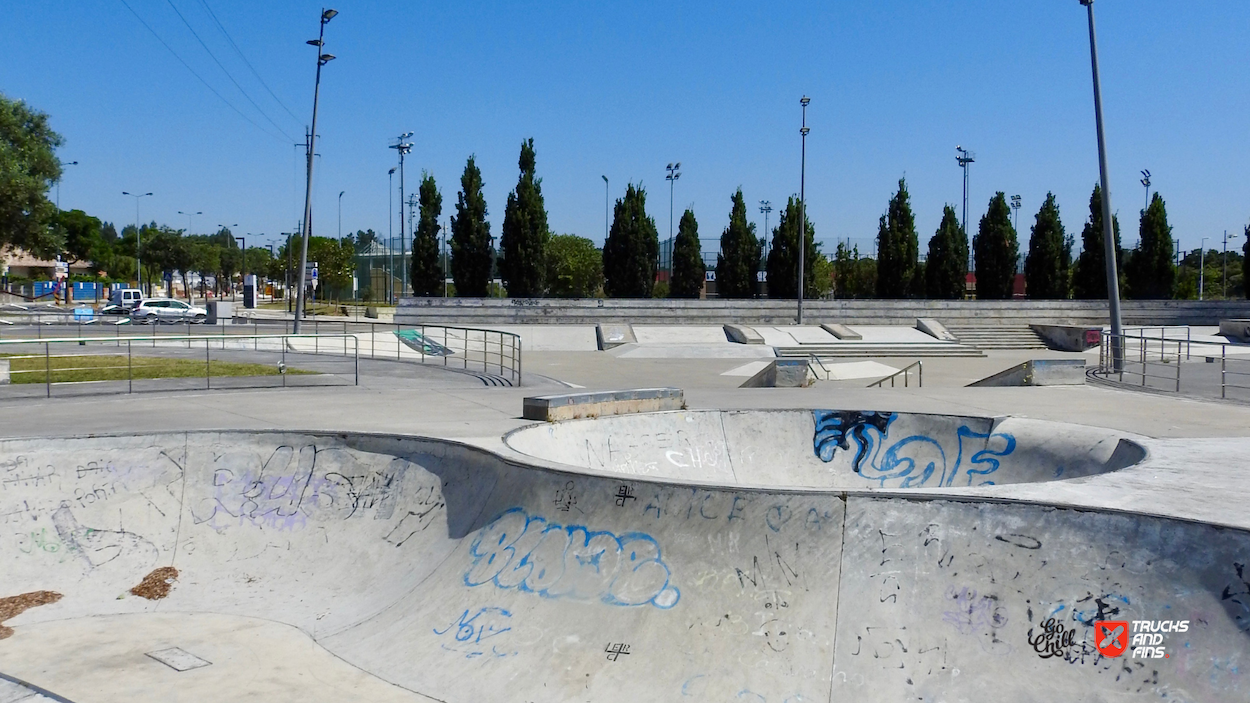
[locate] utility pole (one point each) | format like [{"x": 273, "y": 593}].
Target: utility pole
[
  {"x": 966, "y": 157},
  {"x": 674, "y": 173},
  {"x": 1108, "y": 236},
  {"x": 322, "y": 59},
  {"x": 403, "y": 147},
  {"x": 802, "y": 202}
]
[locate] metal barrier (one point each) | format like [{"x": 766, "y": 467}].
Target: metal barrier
[
  {"x": 283, "y": 343},
  {"x": 919, "y": 366},
  {"x": 1157, "y": 361},
  {"x": 493, "y": 353}
]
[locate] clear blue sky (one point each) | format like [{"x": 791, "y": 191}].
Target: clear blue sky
[{"x": 621, "y": 89}]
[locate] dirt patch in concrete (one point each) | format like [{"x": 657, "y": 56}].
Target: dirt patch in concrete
[
  {"x": 13, "y": 606},
  {"x": 157, "y": 584}
]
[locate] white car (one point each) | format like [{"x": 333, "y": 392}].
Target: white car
[{"x": 155, "y": 311}]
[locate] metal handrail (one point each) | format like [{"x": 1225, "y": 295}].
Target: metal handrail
[
  {"x": 207, "y": 339},
  {"x": 1146, "y": 360},
  {"x": 918, "y": 365}
]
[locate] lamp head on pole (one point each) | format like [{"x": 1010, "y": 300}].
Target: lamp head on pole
[
  {"x": 325, "y": 59},
  {"x": 328, "y": 15},
  {"x": 804, "y": 101}
]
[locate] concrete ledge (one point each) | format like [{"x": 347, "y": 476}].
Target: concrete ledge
[
  {"x": 934, "y": 329},
  {"x": 1073, "y": 338},
  {"x": 1038, "y": 372},
  {"x": 842, "y": 332},
  {"x": 614, "y": 335},
  {"x": 1236, "y": 329},
  {"x": 782, "y": 373},
  {"x": 4, "y": 372},
  {"x": 570, "y": 406},
  {"x": 743, "y": 335}
]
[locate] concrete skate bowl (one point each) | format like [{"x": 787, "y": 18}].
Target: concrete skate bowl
[
  {"x": 339, "y": 567},
  {"x": 830, "y": 449}
]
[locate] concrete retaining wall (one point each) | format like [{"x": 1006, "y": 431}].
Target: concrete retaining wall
[{"x": 491, "y": 311}]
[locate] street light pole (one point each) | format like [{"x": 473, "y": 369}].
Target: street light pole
[
  {"x": 58, "y": 183},
  {"x": 1145, "y": 180},
  {"x": 341, "y": 192},
  {"x": 966, "y": 157},
  {"x": 1224, "y": 285},
  {"x": 403, "y": 148},
  {"x": 1202, "y": 266},
  {"x": 138, "y": 239},
  {"x": 606, "y": 200},
  {"x": 673, "y": 174},
  {"x": 390, "y": 237},
  {"x": 190, "y": 223},
  {"x": 803, "y": 130},
  {"x": 766, "y": 207},
  {"x": 1108, "y": 238},
  {"x": 322, "y": 59},
  {"x": 1015, "y": 206}
]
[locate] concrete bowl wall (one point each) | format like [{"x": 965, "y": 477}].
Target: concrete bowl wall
[{"x": 829, "y": 449}]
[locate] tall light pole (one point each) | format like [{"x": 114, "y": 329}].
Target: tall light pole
[
  {"x": 322, "y": 59},
  {"x": 606, "y": 208},
  {"x": 58, "y": 182},
  {"x": 803, "y": 130},
  {"x": 341, "y": 192},
  {"x": 138, "y": 238},
  {"x": 1015, "y": 207},
  {"x": 190, "y": 215},
  {"x": 966, "y": 157},
  {"x": 403, "y": 147},
  {"x": 674, "y": 172},
  {"x": 390, "y": 236},
  {"x": 766, "y": 207},
  {"x": 405, "y": 255},
  {"x": 1224, "y": 285},
  {"x": 1202, "y": 266},
  {"x": 1145, "y": 180},
  {"x": 1108, "y": 238}
]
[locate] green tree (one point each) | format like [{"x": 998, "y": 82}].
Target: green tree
[
  {"x": 427, "y": 270},
  {"x": 574, "y": 267},
  {"x": 740, "y": 253},
  {"x": 472, "y": 254},
  {"x": 1089, "y": 276},
  {"x": 1150, "y": 270},
  {"x": 524, "y": 231},
  {"x": 630, "y": 250},
  {"x": 946, "y": 268},
  {"x": 336, "y": 263},
  {"x": 996, "y": 251},
  {"x": 689, "y": 272},
  {"x": 854, "y": 277},
  {"x": 28, "y": 167},
  {"x": 1245, "y": 261},
  {"x": 81, "y": 234},
  {"x": 1046, "y": 266},
  {"x": 897, "y": 247},
  {"x": 783, "y": 256}
]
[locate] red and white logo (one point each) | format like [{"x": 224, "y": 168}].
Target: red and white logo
[{"x": 1111, "y": 637}]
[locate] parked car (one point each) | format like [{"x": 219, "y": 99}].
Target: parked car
[
  {"x": 155, "y": 311},
  {"x": 125, "y": 298}
]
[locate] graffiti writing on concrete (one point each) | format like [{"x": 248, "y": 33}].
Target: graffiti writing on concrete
[
  {"x": 912, "y": 461},
  {"x": 555, "y": 561},
  {"x": 973, "y": 612},
  {"x": 478, "y": 635},
  {"x": 98, "y": 547},
  {"x": 1238, "y": 594},
  {"x": 616, "y": 650}
]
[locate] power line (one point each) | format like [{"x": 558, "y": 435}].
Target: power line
[
  {"x": 239, "y": 51},
  {"x": 225, "y": 71},
  {"x": 192, "y": 70}
]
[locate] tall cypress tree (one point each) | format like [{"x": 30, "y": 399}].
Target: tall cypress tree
[
  {"x": 897, "y": 248},
  {"x": 470, "y": 237},
  {"x": 740, "y": 253},
  {"x": 783, "y": 256},
  {"x": 946, "y": 267},
  {"x": 689, "y": 271},
  {"x": 1045, "y": 267},
  {"x": 995, "y": 251},
  {"x": 427, "y": 271},
  {"x": 1150, "y": 271},
  {"x": 1089, "y": 279},
  {"x": 524, "y": 232},
  {"x": 630, "y": 250}
]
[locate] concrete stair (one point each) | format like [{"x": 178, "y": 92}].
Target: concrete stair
[
  {"x": 883, "y": 349},
  {"x": 1002, "y": 336}
]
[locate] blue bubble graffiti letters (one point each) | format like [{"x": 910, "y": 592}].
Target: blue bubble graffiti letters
[{"x": 533, "y": 555}]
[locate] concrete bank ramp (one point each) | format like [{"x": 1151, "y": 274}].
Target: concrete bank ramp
[
  {"x": 457, "y": 574},
  {"x": 840, "y": 449}
]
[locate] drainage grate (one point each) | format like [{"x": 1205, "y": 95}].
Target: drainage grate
[{"x": 178, "y": 659}]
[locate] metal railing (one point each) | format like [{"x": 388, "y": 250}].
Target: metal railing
[
  {"x": 282, "y": 347},
  {"x": 493, "y": 353},
  {"x": 1158, "y": 362},
  {"x": 1235, "y": 379},
  {"x": 905, "y": 373}
]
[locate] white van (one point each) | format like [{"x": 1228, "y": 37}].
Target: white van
[{"x": 126, "y": 298}]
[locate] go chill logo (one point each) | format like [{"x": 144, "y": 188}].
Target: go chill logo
[{"x": 1148, "y": 637}]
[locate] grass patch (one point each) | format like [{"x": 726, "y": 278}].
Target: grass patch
[{"x": 110, "y": 367}]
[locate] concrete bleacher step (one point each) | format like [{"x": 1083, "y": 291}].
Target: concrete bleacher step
[
  {"x": 826, "y": 351},
  {"x": 997, "y": 336}
]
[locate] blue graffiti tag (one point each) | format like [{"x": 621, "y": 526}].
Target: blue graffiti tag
[
  {"x": 533, "y": 555},
  {"x": 910, "y": 461},
  {"x": 470, "y": 631}
]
